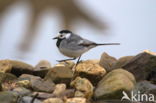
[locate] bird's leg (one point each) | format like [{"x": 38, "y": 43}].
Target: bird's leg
[
  {"x": 78, "y": 60},
  {"x": 66, "y": 60}
]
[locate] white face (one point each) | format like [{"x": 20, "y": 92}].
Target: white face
[{"x": 64, "y": 35}]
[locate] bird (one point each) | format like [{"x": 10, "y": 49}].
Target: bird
[{"x": 73, "y": 45}]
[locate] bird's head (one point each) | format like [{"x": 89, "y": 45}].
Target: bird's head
[{"x": 63, "y": 34}]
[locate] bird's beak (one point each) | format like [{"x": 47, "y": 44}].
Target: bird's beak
[{"x": 55, "y": 38}]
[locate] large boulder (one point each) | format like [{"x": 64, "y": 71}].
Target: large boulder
[
  {"x": 142, "y": 65},
  {"x": 61, "y": 73},
  {"x": 112, "y": 85},
  {"x": 91, "y": 70},
  {"x": 107, "y": 61},
  {"x": 83, "y": 87}
]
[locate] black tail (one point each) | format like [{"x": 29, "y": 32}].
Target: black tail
[{"x": 108, "y": 44}]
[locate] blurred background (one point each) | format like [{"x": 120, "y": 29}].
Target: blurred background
[{"x": 28, "y": 26}]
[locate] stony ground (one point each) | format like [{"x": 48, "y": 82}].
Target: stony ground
[{"x": 91, "y": 81}]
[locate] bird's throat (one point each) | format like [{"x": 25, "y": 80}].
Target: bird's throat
[{"x": 58, "y": 42}]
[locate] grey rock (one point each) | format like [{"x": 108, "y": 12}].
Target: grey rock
[
  {"x": 145, "y": 87},
  {"x": 38, "y": 84},
  {"x": 121, "y": 62},
  {"x": 28, "y": 99},
  {"x": 142, "y": 65},
  {"x": 22, "y": 91}
]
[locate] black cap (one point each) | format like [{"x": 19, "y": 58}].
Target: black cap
[{"x": 65, "y": 31}]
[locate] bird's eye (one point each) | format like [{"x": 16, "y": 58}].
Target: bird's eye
[{"x": 61, "y": 36}]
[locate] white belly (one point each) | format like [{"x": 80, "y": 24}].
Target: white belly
[{"x": 72, "y": 53}]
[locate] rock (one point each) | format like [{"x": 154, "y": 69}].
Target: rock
[
  {"x": 28, "y": 99},
  {"x": 61, "y": 73},
  {"x": 142, "y": 65},
  {"x": 68, "y": 93},
  {"x": 42, "y": 68},
  {"x": 7, "y": 77},
  {"x": 43, "y": 95},
  {"x": 53, "y": 100},
  {"x": 152, "y": 76},
  {"x": 41, "y": 73},
  {"x": 15, "y": 67},
  {"x": 7, "y": 81},
  {"x": 112, "y": 85},
  {"x": 90, "y": 70},
  {"x": 38, "y": 84},
  {"x": 0, "y": 86},
  {"x": 8, "y": 97},
  {"x": 144, "y": 87},
  {"x": 122, "y": 61},
  {"x": 59, "y": 89},
  {"x": 5, "y": 66},
  {"x": 79, "y": 94},
  {"x": 107, "y": 61},
  {"x": 24, "y": 83},
  {"x": 83, "y": 85},
  {"x": 22, "y": 91},
  {"x": 76, "y": 100},
  {"x": 43, "y": 64}
]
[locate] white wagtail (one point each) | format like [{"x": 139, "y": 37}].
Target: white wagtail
[{"x": 73, "y": 46}]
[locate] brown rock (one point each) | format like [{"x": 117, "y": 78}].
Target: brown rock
[
  {"x": 42, "y": 68},
  {"x": 15, "y": 67},
  {"x": 83, "y": 85},
  {"x": 43, "y": 64},
  {"x": 76, "y": 100},
  {"x": 5, "y": 66},
  {"x": 53, "y": 100},
  {"x": 142, "y": 65},
  {"x": 122, "y": 61},
  {"x": 112, "y": 85},
  {"x": 90, "y": 70},
  {"x": 68, "y": 93},
  {"x": 7, "y": 81},
  {"x": 59, "y": 89},
  {"x": 61, "y": 73},
  {"x": 107, "y": 61},
  {"x": 7, "y": 77}
]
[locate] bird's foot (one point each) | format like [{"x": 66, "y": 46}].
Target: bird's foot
[{"x": 65, "y": 60}]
